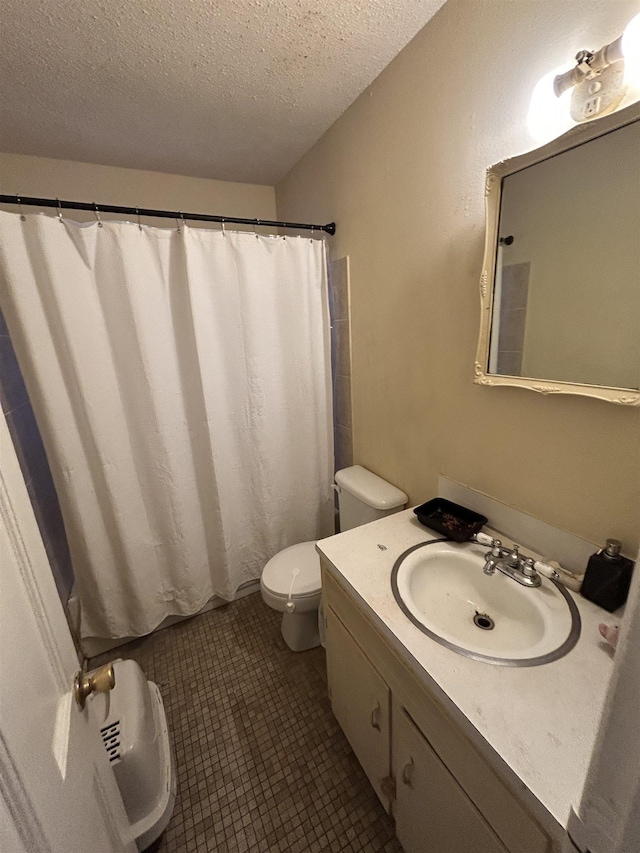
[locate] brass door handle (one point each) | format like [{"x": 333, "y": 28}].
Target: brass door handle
[{"x": 101, "y": 680}]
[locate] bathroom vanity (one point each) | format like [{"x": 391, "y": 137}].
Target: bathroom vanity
[{"x": 465, "y": 755}]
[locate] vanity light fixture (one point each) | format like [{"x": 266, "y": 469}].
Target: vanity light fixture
[
  {"x": 600, "y": 80},
  {"x": 596, "y": 85}
]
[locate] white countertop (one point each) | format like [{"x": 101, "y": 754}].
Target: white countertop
[{"x": 541, "y": 720}]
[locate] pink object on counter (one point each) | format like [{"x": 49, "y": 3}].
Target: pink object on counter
[{"x": 610, "y": 633}]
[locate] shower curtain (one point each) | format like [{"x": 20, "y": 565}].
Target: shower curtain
[{"x": 181, "y": 382}]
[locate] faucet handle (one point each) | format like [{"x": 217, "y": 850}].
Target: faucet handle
[
  {"x": 528, "y": 568},
  {"x": 546, "y": 570},
  {"x": 494, "y": 544}
]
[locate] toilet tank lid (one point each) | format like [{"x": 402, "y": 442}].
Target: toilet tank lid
[{"x": 369, "y": 488}]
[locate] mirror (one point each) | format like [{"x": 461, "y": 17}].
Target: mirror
[{"x": 560, "y": 287}]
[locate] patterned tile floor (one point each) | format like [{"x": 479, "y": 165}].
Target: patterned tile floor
[{"x": 262, "y": 764}]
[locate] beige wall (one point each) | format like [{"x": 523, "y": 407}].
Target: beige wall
[
  {"x": 402, "y": 174},
  {"x": 41, "y": 177}
]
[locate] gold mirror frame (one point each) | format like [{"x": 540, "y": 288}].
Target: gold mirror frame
[{"x": 493, "y": 191}]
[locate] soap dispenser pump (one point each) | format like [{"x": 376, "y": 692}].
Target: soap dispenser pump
[{"x": 608, "y": 577}]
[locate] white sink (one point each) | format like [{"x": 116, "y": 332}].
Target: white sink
[{"x": 443, "y": 590}]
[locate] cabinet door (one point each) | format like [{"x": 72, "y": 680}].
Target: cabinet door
[
  {"x": 432, "y": 811},
  {"x": 360, "y": 700}
]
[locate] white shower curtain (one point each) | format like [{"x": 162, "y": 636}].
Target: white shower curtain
[{"x": 181, "y": 384}]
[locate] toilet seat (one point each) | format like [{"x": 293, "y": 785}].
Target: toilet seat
[
  {"x": 277, "y": 575},
  {"x": 291, "y": 583}
]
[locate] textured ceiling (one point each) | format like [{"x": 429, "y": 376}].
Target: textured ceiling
[{"x": 232, "y": 89}]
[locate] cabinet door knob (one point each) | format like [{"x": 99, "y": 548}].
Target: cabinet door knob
[
  {"x": 407, "y": 773},
  {"x": 375, "y": 717}
]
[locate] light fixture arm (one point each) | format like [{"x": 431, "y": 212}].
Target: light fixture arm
[
  {"x": 599, "y": 83},
  {"x": 588, "y": 65}
]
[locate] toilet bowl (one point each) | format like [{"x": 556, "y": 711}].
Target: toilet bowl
[
  {"x": 291, "y": 580},
  {"x": 290, "y": 583}
]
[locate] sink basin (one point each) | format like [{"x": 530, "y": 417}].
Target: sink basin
[{"x": 442, "y": 589}]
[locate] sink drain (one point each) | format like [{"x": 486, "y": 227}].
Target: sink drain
[{"x": 482, "y": 620}]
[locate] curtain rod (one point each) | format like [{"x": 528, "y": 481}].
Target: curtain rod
[{"x": 330, "y": 228}]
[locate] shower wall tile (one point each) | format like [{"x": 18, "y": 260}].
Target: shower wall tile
[
  {"x": 513, "y": 318},
  {"x": 515, "y": 285},
  {"x": 27, "y": 442},
  {"x": 12, "y": 388},
  {"x": 341, "y": 361},
  {"x": 339, "y": 283},
  {"x": 343, "y": 347},
  {"x": 512, "y": 326},
  {"x": 47, "y": 512},
  {"x": 342, "y": 400},
  {"x": 46, "y": 506},
  {"x": 343, "y": 442},
  {"x": 509, "y": 363},
  {"x": 33, "y": 464}
]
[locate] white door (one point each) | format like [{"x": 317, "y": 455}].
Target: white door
[{"x": 57, "y": 792}]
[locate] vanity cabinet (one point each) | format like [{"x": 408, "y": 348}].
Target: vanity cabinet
[
  {"x": 360, "y": 700},
  {"x": 430, "y": 806},
  {"x": 442, "y": 793}
]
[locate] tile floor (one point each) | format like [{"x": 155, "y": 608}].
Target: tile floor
[{"x": 262, "y": 763}]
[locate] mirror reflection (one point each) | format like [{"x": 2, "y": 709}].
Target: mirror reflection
[{"x": 566, "y": 303}]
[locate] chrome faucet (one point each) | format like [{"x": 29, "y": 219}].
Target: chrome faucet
[{"x": 523, "y": 570}]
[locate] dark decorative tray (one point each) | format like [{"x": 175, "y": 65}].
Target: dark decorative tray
[{"x": 452, "y": 520}]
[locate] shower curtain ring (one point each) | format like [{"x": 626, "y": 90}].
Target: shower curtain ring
[
  {"x": 224, "y": 233},
  {"x": 138, "y": 215},
  {"x": 23, "y": 218},
  {"x": 97, "y": 215},
  {"x": 59, "y": 210},
  {"x": 178, "y": 224},
  {"x": 255, "y": 229}
]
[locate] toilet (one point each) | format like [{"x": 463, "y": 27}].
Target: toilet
[{"x": 290, "y": 581}]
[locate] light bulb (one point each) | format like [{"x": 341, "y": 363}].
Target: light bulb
[
  {"x": 631, "y": 52},
  {"x": 549, "y": 115}
]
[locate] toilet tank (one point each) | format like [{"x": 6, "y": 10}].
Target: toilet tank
[{"x": 365, "y": 497}]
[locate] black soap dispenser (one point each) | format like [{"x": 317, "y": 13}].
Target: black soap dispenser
[{"x": 608, "y": 576}]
